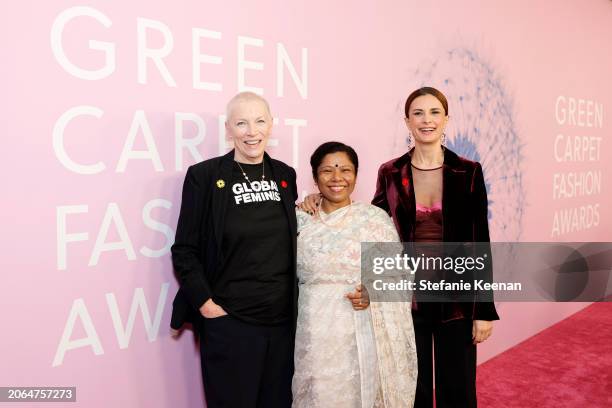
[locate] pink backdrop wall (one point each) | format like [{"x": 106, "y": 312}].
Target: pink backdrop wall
[{"x": 105, "y": 104}]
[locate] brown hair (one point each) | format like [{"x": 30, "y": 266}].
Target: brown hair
[{"x": 426, "y": 90}]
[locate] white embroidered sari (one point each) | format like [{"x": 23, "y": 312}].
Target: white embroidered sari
[{"x": 347, "y": 358}]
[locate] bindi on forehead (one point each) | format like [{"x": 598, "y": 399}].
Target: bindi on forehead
[{"x": 336, "y": 165}]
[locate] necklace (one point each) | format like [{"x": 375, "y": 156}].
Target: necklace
[
  {"x": 263, "y": 171},
  {"x": 418, "y": 168},
  {"x": 338, "y": 224},
  {"x": 435, "y": 168}
]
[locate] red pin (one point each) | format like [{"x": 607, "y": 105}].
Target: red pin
[
  {"x": 283, "y": 184},
  {"x": 405, "y": 182}
]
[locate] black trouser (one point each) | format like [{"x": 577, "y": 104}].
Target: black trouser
[
  {"x": 455, "y": 361},
  {"x": 246, "y": 365}
]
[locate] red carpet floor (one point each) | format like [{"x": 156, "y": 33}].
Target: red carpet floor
[{"x": 566, "y": 365}]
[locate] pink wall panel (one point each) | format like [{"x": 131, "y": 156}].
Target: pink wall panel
[{"x": 105, "y": 104}]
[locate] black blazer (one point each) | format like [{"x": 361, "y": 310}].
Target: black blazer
[
  {"x": 464, "y": 212},
  {"x": 196, "y": 250}
]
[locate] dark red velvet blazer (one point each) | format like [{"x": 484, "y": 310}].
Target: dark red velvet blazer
[{"x": 464, "y": 212}]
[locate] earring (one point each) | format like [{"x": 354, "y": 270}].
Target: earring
[
  {"x": 443, "y": 139},
  {"x": 409, "y": 139}
]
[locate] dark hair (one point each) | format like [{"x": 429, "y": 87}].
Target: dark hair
[
  {"x": 426, "y": 90},
  {"x": 328, "y": 148}
]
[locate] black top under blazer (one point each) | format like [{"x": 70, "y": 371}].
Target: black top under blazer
[{"x": 196, "y": 249}]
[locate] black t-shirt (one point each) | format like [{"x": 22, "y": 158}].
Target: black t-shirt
[{"x": 255, "y": 283}]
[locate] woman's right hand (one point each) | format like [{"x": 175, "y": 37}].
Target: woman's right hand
[
  {"x": 210, "y": 310},
  {"x": 310, "y": 203}
]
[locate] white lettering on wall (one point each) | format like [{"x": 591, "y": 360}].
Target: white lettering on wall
[
  {"x": 107, "y": 48},
  {"x": 63, "y": 237},
  {"x": 58, "y": 140},
  {"x": 577, "y": 181},
  {"x": 123, "y": 332},
  {"x": 578, "y": 112},
  {"x": 78, "y": 310},
  {"x": 295, "y": 124},
  {"x": 138, "y": 302},
  {"x": 192, "y": 143},
  {"x": 112, "y": 215},
  {"x": 139, "y": 122},
  {"x": 244, "y": 64},
  {"x": 283, "y": 60},
  {"x": 156, "y": 55},
  {"x": 157, "y": 226},
  {"x": 199, "y": 59}
]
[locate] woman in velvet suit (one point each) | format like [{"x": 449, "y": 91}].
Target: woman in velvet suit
[{"x": 433, "y": 195}]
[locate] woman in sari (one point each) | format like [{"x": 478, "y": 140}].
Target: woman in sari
[{"x": 346, "y": 354}]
